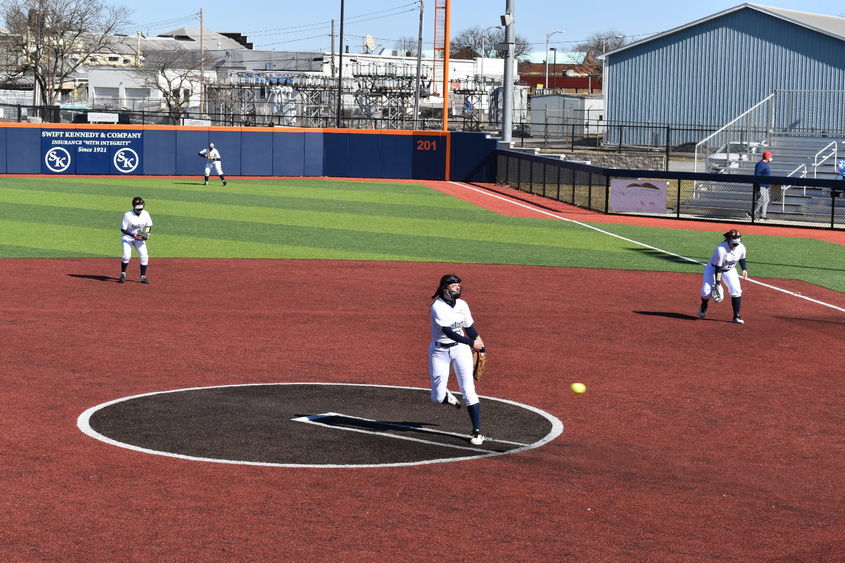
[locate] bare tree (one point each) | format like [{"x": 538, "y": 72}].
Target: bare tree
[
  {"x": 176, "y": 74},
  {"x": 406, "y": 44},
  {"x": 602, "y": 42},
  {"x": 51, "y": 39},
  {"x": 479, "y": 42}
]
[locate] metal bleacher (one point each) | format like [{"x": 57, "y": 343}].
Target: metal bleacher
[{"x": 736, "y": 149}]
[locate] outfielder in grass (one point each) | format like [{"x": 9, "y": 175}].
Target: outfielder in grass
[
  {"x": 453, "y": 339},
  {"x": 722, "y": 268},
  {"x": 212, "y": 160},
  {"x": 136, "y": 227}
]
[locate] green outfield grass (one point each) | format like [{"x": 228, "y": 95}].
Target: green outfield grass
[{"x": 335, "y": 219}]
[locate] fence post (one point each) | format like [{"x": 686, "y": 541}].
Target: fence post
[
  {"x": 545, "y": 169},
  {"x": 558, "y": 183},
  {"x": 606, "y": 194},
  {"x": 530, "y": 177},
  {"x": 668, "y": 133},
  {"x": 620, "y": 139},
  {"x": 572, "y": 139},
  {"x": 507, "y": 169},
  {"x": 755, "y": 193},
  {"x": 678, "y": 204}
]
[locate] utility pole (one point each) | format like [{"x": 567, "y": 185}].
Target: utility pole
[
  {"x": 507, "y": 80},
  {"x": 202, "y": 63},
  {"x": 340, "y": 71},
  {"x": 333, "y": 67}
]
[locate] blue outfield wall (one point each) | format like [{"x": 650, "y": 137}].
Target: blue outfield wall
[{"x": 172, "y": 151}]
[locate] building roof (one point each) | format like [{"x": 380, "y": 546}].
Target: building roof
[
  {"x": 828, "y": 25},
  {"x": 190, "y": 38}
]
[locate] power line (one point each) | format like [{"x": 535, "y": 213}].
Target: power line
[
  {"x": 326, "y": 24},
  {"x": 168, "y": 22}
]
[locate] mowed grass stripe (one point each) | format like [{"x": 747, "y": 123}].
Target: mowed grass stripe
[
  {"x": 104, "y": 242},
  {"x": 100, "y": 242},
  {"x": 400, "y": 246},
  {"x": 541, "y": 233},
  {"x": 253, "y": 192}
]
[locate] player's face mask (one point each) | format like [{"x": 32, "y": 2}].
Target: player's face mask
[
  {"x": 453, "y": 293},
  {"x": 139, "y": 208},
  {"x": 735, "y": 241}
]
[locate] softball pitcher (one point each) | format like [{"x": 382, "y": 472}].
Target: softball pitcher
[
  {"x": 136, "y": 227},
  {"x": 722, "y": 268},
  {"x": 453, "y": 334}
]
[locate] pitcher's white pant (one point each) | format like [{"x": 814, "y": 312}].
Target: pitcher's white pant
[
  {"x": 439, "y": 362},
  {"x": 218, "y": 169},
  {"x": 140, "y": 246},
  {"x": 730, "y": 278}
]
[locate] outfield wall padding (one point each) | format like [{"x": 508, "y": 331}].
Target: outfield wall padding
[{"x": 45, "y": 148}]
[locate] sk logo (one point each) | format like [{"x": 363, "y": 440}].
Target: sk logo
[
  {"x": 126, "y": 160},
  {"x": 57, "y": 159}
]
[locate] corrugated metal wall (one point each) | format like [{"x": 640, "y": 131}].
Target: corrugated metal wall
[{"x": 712, "y": 72}]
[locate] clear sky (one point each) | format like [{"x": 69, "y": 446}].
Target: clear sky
[{"x": 306, "y": 25}]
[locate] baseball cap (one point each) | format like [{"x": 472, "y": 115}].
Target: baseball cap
[
  {"x": 767, "y": 154},
  {"x": 449, "y": 279}
]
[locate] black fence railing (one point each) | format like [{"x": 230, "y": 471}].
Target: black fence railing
[
  {"x": 569, "y": 134},
  {"x": 349, "y": 119},
  {"x": 794, "y": 202}
]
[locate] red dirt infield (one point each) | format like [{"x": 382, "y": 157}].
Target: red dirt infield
[{"x": 696, "y": 439}]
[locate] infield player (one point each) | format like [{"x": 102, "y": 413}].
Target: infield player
[
  {"x": 212, "y": 157},
  {"x": 136, "y": 227},
  {"x": 453, "y": 334},
  {"x": 722, "y": 268}
]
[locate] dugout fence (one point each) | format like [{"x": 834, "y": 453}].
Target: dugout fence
[{"x": 688, "y": 195}]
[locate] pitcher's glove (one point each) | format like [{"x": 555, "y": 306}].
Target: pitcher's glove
[
  {"x": 717, "y": 294},
  {"x": 479, "y": 363}
]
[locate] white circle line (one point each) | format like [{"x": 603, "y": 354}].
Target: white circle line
[{"x": 83, "y": 422}]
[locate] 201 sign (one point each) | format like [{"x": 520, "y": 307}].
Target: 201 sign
[{"x": 426, "y": 145}]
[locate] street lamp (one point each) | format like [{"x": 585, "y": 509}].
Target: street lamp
[
  {"x": 546, "y": 55},
  {"x": 483, "y": 49},
  {"x": 554, "y": 67}
]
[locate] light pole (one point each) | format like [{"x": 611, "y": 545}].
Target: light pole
[
  {"x": 483, "y": 49},
  {"x": 507, "y": 80},
  {"x": 546, "y": 55},
  {"x": 554, "y": 67}
]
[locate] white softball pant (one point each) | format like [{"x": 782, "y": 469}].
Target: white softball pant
[
  {"x": 730, "y": 279},
  {"x": 440, "y": 360},
  {"x": 218, "y": 169},
  {"x": 140, "y": 246}
]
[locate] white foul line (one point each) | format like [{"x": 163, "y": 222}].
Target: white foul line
[
  {"x": 317, "y": 419},
  {"x": 632, "y": 241}
]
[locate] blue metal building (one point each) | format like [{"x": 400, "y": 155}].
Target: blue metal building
[{"x": 709, "y": 71}]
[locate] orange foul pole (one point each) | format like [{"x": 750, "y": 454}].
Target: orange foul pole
[{"x": 441, "y": 62}]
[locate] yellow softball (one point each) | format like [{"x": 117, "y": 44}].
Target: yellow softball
[{"x": 578, "y": 388}]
